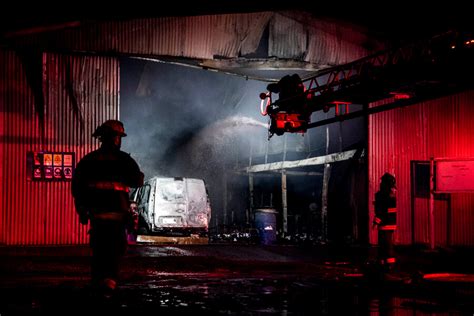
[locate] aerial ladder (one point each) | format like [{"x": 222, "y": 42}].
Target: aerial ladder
[{"x": 391, "y": 78}]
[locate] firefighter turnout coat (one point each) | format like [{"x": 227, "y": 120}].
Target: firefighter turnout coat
[
  {"x": 385, "y": 211},
  {"x": 101, "y": 183}
]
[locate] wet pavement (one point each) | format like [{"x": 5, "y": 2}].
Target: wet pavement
[{"x": 236, "y": 279}]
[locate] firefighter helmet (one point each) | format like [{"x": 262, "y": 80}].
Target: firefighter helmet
[
  {"x": 388, "y": 179},
  {"x": 110, "y": 128}
]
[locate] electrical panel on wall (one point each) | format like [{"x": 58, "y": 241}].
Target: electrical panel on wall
[{"x": 50, "y": 166}]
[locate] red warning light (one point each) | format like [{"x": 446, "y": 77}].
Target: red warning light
[
  {"x": 400, "y": 96},
  {"x": 290, "y": 122}
]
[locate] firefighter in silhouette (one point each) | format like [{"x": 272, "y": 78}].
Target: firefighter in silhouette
[
  {"x": 291, "y": 100},
  {"x": 385, "y": 220},
  {"x": 100, "y": 187},
  {"x": 290, "y": 91}
]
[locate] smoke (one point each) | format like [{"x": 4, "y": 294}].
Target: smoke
[
  {"x": 178, "y": 118},
  {"x": 219, "y": 144},
  {"x": 219, "y": 134},
  {"x": 215, "y": 154}
]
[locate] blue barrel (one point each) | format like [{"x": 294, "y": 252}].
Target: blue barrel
[{"x": 265, "y": 222}]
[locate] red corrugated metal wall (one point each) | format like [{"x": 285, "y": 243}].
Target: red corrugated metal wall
[
  {"x": 438, "y": 128},
  {"x": 79, "y": 93}
]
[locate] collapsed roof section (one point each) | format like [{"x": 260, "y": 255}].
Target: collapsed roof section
[{"x": 259, "y": 45}]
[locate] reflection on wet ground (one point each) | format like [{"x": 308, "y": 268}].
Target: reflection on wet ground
[
  {"x": 191, "y": 282},
  {"x": 220, "y": 294}
]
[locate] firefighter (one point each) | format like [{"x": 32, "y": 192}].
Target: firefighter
[
  {"x": 386, "y": 221},
  {"x": 100, "y": 188},
  {"x": 290, "y": 91}
]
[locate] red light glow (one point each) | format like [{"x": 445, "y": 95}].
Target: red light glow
[{"x": 400, "y": 96}]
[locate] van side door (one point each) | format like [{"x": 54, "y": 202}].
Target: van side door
[
  {"x": 144, "y": 213},
  {"x": 198, "y": 203}
]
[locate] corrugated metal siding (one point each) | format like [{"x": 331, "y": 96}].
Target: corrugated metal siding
[
  {"x": 34, "y": 213},
  {"x": 192, "y": 37},
  {"x": 288, "y": 38},
  {"x": 336, "y": 44},
  {"x": 322, "y": 42},
  {"x": 291, "y": 35},
  {"x": 438, "y": 128}
]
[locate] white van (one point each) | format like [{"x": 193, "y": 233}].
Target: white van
[{"x": 172, "y": 206}]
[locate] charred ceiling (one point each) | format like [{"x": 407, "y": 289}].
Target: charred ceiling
[
  {"x": 265, "y": 40},
  {"x": 240, "y": 43}
]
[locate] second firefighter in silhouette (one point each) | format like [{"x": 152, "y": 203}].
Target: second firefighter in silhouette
[{"x": 385, "y": 220}]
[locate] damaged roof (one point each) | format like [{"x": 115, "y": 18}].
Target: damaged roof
[{"x": 257, "y": 39}]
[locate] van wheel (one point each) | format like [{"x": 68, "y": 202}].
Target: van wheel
[
  {"x": 142, "y": 231},
  {"x": 142, "y": 226}
]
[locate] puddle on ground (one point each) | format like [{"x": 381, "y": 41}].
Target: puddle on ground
[{"x": 224, "y": 292}]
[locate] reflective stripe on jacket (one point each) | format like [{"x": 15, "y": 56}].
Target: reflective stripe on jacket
[
  {"x": 385, "y": 211},
  {"x": 387, "y": 227},
  {"x": 109, "y": 216},
  {"x": 109, "y": 185}
]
